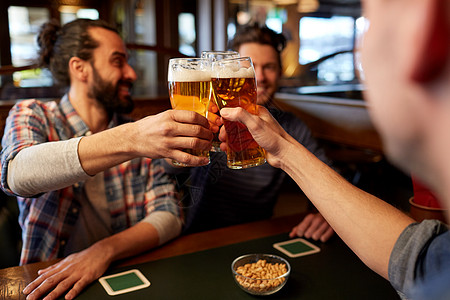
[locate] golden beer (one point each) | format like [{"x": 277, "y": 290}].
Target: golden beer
[
  {"x": 192, "y": 96},
  {"x": 240, "y": 91},
  {"x": 213, "y": 56},
  {"x": 189, "y": 89}
]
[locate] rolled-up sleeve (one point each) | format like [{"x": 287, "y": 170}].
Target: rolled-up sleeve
[
  {"x": 34, "y": 158},
  {"x": 420, "y": 251},
  {"x": 23, "y": 129}
]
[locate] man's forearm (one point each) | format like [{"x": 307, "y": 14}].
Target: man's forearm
[
  {"x": 368, "y": 225},
  {"x": 106, "y": 149},
  {"x": 132, "y": 241},
  {"x": 55, "y": 165},
  {"x": 45, "y": 167}
]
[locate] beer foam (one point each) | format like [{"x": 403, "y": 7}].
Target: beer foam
[
  {"x": 184, "y": 75},
  {"x": 235, "y": 72}
]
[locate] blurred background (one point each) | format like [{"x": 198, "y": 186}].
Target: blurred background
[
  {"x": 322, "y": 82},
  {"x": 322, "y": 36}
]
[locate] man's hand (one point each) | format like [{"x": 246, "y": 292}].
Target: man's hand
[
  {"x": 271, "y": 136},
  {"x": 72, "y": 274},
  {"x": 265, "y": 131},
  {"x": 313, "y": 226},
  {"x": 214, "y": 117},
  {"x": 164, "y": 135}
]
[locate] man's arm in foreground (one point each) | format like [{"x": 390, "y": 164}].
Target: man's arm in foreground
[{"x": 368, "y": 225}]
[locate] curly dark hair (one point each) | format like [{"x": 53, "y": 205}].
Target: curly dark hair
[
  {"x": 58, "y": 44},
  {"x": 254, "y": 33}
]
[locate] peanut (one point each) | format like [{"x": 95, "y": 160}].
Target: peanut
[{"x": 260, "y": 276}]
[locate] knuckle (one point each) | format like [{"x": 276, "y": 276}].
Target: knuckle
[
  {"x": 193, "y": 143},
  {"x": 64, "y": 285},
  {"x": 50, "y": 280},
  {"x": 197, "y": 130},
  {"x": 166, "y": 129},
  {"x": 195, "y": 116},
  {"x": 171, "y": 113},
  {"x": 309, "y": 217},
  {"x": 184, "y": 157},
  {"x": 200, "y": 144},
  {"x": 163, "y": 144}
]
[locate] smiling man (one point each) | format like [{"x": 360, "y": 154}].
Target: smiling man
[
  {"x": 84, "y": 179},
  {"x": 264, "y": 47},
  {"x": 406, "y": 61},
  {"x": 217, "y": 196}
]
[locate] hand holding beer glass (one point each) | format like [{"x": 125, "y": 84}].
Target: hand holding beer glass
[
  {"x": 189, "y": 81},
  {"x": 234, "y": 84},
  {"x": 213, "y": 56}
]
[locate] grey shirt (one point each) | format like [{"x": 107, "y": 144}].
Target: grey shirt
[{"x": 421, "y": 252}]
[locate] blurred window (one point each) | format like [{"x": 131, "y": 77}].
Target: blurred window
[
  {"x": 275, "y": 19},
  {"x": 320, "y": 37},
  {"x": 262, "y": 12},
  {"x": 70, "y": 13},
  {"x": 186, "y": 30},
  {"x": 24, "y": 24}
]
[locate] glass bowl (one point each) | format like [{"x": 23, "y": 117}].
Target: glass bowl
[{"x": 260, "y": 274}]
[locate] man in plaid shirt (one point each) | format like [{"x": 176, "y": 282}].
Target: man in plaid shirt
[{"x": 86, "y": 185}]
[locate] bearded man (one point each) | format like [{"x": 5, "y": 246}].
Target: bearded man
[{"x": 86, "y": 186}]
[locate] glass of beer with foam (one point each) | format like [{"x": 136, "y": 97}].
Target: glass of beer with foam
[
  {"x": 213, "y": 56},
  {"x": 234, "y": 84},
  {"x": 189, "y": 81}
]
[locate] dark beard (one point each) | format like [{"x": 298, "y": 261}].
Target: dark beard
[{"x": 107, "y": 94}]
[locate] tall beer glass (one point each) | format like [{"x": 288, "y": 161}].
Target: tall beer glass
[
  {"x": 234, "y": 85},
  {"x": 213, "y": 56},
  {"x": 189, "y": 82}
]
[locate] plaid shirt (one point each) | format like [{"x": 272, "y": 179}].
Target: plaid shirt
[{"x": 134, "y": 189}]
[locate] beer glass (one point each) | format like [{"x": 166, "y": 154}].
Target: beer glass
[
  {"x": 234, "y": 84},
  {"x": 213, "y": 56},
  {"x": 189, "y": 81}
]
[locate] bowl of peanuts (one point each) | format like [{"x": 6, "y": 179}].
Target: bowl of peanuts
[{"x": 260, "y": 274}]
